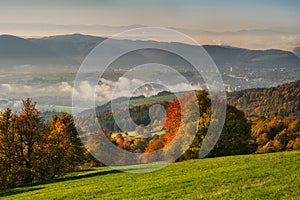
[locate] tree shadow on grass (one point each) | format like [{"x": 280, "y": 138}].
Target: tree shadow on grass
[
  {"x": 23, "y": 188},
  {"x": 98, "y": 173},
  {"x": 76, "y": 177},
  {"x": 14, "y": 191}
]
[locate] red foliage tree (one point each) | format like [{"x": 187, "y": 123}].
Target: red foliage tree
[
  {"x": 173, "y": 117},
  {"x": 155, "y": 145}
]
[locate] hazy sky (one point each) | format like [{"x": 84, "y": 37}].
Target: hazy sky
[
  {"x": 209, "y": 15},
  {"x": 37, "y": 17}
]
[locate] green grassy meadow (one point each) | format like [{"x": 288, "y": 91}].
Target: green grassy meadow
[{"x": 264, "y": 176}]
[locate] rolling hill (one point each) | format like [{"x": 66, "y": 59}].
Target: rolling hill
[{"x": 264, "y": 176}]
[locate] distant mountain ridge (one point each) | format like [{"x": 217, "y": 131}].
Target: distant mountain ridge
[
  {"x": 232, "y": 56},
  {"x": 240, "y": 68},
  {"x": 66, "y": 50},
  {"x": 12, "y": 47},
  {"x": 63, "y": 50}
]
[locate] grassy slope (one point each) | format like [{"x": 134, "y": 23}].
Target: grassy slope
[{"x": 267, "y": 176}]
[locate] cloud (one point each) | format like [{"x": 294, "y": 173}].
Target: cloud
[
  {"x": 21, "y": 91},
  {"x": 86, "y": 90},
  {"x": 104, "y": 92},
  {"x": 125, "y": 87},
  {"x": 65, "y": 87},
  {"x": 6, "y": 87}
]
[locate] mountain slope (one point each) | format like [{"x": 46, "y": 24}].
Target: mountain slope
[
  {"x": 283, "y": 100},
  {"x": 16, "y": 48},
  {"x": 69, "y": 45},
  {"x": 62, "y": 50},
  {"x": 229, "y": 56}
]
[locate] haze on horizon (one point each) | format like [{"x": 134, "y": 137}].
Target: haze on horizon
[{"x": 250, "y": 24}]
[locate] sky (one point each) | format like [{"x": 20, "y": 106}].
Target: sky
[
  {"x": 40, "y": 18},
  {"x": 214, "y": 15}
]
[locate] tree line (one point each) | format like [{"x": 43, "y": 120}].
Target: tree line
[{"x": 32, "y": 150}]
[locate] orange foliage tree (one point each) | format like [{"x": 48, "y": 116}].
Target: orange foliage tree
[{"x": 173, "y": 117}]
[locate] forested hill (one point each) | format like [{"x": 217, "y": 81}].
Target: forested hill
[{"x": 283, "y": 100}]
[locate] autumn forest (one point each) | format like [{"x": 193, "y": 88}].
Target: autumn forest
[{"x": 36, "y": 150}]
